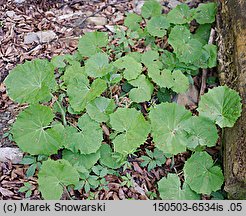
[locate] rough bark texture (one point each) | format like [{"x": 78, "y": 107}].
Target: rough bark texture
[{"x": 231, "y": 24}]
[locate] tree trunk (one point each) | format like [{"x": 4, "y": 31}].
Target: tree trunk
[{"x": 231, "y": 25}]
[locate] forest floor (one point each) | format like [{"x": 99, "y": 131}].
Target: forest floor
[{"x": 66, "y": 21}]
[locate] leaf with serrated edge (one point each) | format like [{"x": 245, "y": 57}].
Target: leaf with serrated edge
[
  {"x": 205, "y": 13},
  {"x": 166, "y": 124},
  {"x": 54, "y": 176},
  {"x": 201, "y": 175},
  {"x": 151, "y": 8},
  {"x": 92, "y": 42},
  {"x": 100, "y": 108},
  {"x": 80, "y": 93},
  {"x": 132, "y": 128},
  {"x": 157, "y": 26},
  {"x": 31, "y": 82},
  {"x": 201, "y": 131},
  {"x": 32, "y": 131},
  {"x": 132, "y": 68},
  {"x": 108, "y": 158},
  {"x": 181, "y": 14},
  {"x": 98, "y": 65},
  {"x": 132, "y": 21},
  {"x": 143, "y": 90},
  {"x": 221, "y": 105},
  {"x": 169, "y": 189},
  {"x": 85, "y": 160}
]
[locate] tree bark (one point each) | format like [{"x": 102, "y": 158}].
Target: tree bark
[{"x": 231, "y": 26}]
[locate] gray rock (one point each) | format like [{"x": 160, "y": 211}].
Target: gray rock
[
  {"x": 10, "y": 14},
  {"x": 39, "y": 37},
  {"x": 139, "y": 5},
  {"x": 190, "y": 98},
  {"x": 19, "y": 1},
  {"x": 173, "y": 3},
  {"x": 11, "y": 154},
  {"x": 98, "y": 21}
]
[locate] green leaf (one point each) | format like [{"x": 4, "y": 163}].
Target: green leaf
[
  {"x": 60, "y": 60},
  {"x": 85, "y": 160},
  {"x": 143, "y": 90},
  {"x": 164, "y": 95},
  {"x": 166, "y": 124},
  {"x": 100, "y": 108},
  {"x": 31, "y": 82},
  {"x": 75, "y": 72},
  {"x": 80, "y": 93},
  {"x": 108, "y": 158},
  {"x": 180, "y": 82},
  {"x": 132, "y": 21},
  {"x": 150, "y": 58},
  {"x": 212, "y": 52},
  {"x": 170, "y": 189},
  {"x": 205, "y": 13},
  {"x": 157, "y": 26},
  {"x": 221, "y": 105},
  {"x": 201, "y": 175},
  {"x": 202, "y": 33},
  {"x": 181, "y": 14},
  {"x": 98, "y": 65},
  {"x": 54, "y": 176},
  {"x": 201, "y": 131},
  {"x": 92, "y": 42},
  {"x": 34, "y": 134},
  {"x": 89, "y": 139},
  {"x": 188, "y": 50},
  {"x": 31, "y": 170},
  {"x": 28, "y": 159},
  {"x": 132, "y": 127},
  {"x": 132, "y": 68},
  {"x": 151, "y": 8}
]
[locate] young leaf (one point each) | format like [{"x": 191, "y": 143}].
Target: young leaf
[
  {"x": 157, "y": 26},
  {"x": 151, "y": 8},
  {"x": 100, "y": 108},
  {"x": 211, "y": 49},
  {"x": 205, "y": 13},
  {"x": 133, "y": 129},
  {"x": 54, "y": 176},
  {"x": 92, "y": 42},
  {"x": 221, "y": 105},
  {"x": 75, "y": 72},
  {"x": 201, "y": 175},
  {"x": 143, "y": 90},
  {"x": 31, "y": 170},
  {"x": 85, "y": 160},
  {"x": 170, "y": 189},
  {"x": 108, "y": 158},
  {"x": 181, "y": 14},
  {"x": 98, "y": 65},
  {"x": 31, "y": 82},
  {"x": 201, "y": 131},
  {"x": 80, "y": 93},
  {"x": 132, "y": 21},
  {"x": 132, "y": 68},
  {"x": 166, "y": 123},
  {"x": 33, "y": 134}
]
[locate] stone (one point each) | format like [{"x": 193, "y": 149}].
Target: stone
[
  {"x": 40, "y": 37},
  {"x": 174, "y": 3},
  {"x": 14, "y": 155},
  {"x": 190, "y": 98},
  {"x": 10, "y": 14},
  {"x": 139, "y": 5},
  {"x": 19, "y": 1},
  {"x": 98, "y": 21}
]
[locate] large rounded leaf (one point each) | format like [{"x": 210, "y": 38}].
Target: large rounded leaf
[
  {"x": 100, "y": 108},
  {"x": 109, "y": 158},
  {"x": 201, "y": 131},
  {"x": 54, "y": 176},
  {"x": 157, "y": 26},
  {"x": 132, "y": 130},
  {"x": 34, "y": 134},
  {"x": 81, "y": 160},
  {"x": 201, "y": 174},
  {"x": 31, "y": 82},
  {"x": 167, "y": 130},
  {"x": 222, "y": 105},
  {"x": 89, "y": 139},
  {"x": 170, "y": 189},
  {"x": 181, "y": 14}
]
